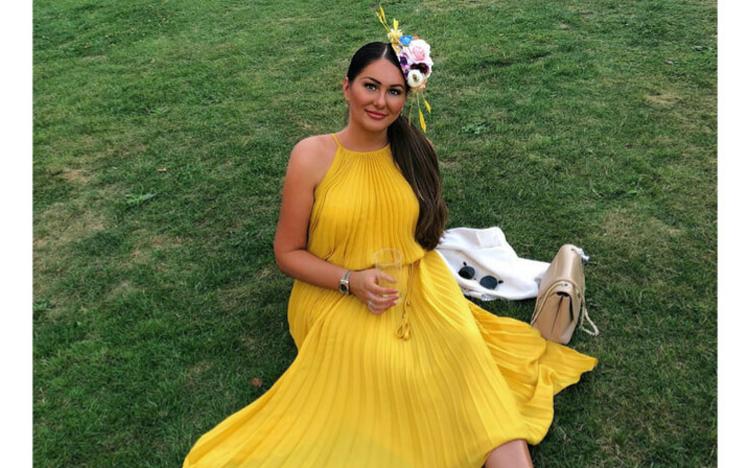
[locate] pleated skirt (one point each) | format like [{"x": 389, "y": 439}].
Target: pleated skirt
[{"x": 463, "y": 382}]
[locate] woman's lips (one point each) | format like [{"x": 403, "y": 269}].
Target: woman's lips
[{"x": 375, "y": 115}]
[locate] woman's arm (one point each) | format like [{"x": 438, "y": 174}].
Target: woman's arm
[
  {"x": 302, "y": 175},
  {"x": 305, "y": 170}
]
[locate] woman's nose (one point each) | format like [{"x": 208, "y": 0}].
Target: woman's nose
[{"x": 380, "y": 101}]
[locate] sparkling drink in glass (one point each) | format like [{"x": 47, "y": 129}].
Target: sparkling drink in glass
[{"x": 390, "y": 261}]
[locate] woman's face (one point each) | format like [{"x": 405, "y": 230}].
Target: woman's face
[{"x": 376, "y": 96}]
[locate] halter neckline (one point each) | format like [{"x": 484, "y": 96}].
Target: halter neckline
[{"x": 383, "y": 149}]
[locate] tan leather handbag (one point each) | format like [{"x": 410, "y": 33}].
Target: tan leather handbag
[{"x": 560, "y": 303}]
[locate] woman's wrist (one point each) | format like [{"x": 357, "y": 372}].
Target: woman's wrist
[{"x": 353, "y": 281}]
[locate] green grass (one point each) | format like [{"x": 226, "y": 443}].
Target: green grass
[{"x": 161, "y": 135}]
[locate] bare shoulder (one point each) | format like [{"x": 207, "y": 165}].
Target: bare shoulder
[
  {"x": 315, "y": 144},
  {"x": 312, "y": 157}
]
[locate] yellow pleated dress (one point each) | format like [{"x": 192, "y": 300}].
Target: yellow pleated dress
[{"x": 434, "y": 382}]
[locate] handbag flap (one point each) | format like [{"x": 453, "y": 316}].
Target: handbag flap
[
  {"x": 556, "y": 319},
  {"x": 567, "y": 264},
  {"x": 565, "y": 319},
  {"x": 557, "y": 311}
]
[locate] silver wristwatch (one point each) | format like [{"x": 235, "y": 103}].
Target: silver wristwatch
[{"x": 344, "y": 286}]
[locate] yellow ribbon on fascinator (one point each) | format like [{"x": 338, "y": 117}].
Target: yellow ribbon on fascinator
[{"x": 392, "y": 34}]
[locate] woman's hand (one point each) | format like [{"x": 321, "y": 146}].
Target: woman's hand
[{"x": 364, "y": 286}]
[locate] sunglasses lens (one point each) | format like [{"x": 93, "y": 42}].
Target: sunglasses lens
[
  {"x": 489, "y": 282},
  {"x": 467, "y": 272}
]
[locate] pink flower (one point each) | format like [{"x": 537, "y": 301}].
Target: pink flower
[{"x": 418, "y": 52}]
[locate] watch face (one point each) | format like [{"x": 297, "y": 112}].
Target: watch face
[{"x": 343, "y": 286}]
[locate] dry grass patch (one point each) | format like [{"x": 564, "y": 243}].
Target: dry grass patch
[
  {"x": 246, "y": 293},
  {"x": 60, "y": 225},
  {"x": 663, "y": 99},
  {"x": 56, "y": 229},
  {"x": 249, "y": 342},
  {"x": 120, "y": 289},
  {"x": 195, "y": 372},
  {"x": 236, "y": 297},
  {"x": 637, "y": 239},
  {"x": 637, "y": 231},
  {"x": 147, "y": 245},
  {"x": 75, "y": 176}
]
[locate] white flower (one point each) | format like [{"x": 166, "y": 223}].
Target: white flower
[{"x": 416, "y": 79}]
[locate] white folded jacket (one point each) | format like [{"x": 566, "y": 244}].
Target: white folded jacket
[{"x": 487, "y": 251}]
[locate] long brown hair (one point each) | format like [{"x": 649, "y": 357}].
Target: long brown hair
[{"x": 413, "y": 154}]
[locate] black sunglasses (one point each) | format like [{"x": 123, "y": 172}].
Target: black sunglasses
[{"x": 488, "y": 281}]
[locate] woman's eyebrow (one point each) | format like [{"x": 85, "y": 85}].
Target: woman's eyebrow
[{"x": 379, "y": 82}]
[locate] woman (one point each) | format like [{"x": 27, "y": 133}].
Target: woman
[{"x": 428, "y": 379}]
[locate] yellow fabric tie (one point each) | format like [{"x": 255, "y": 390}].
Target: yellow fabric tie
[{"x": 403, "y": 331}]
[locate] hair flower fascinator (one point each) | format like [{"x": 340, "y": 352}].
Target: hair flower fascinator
[{"x": 415, "y": 61}]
